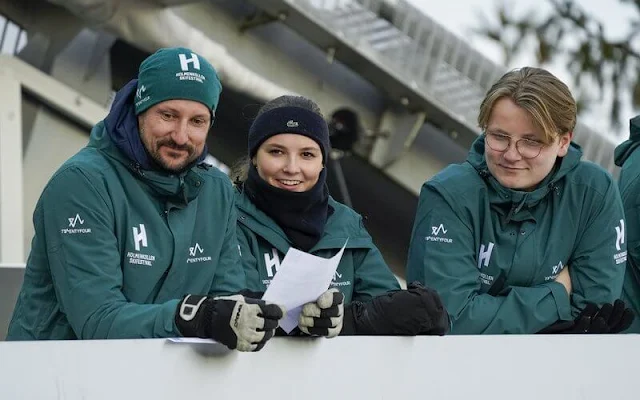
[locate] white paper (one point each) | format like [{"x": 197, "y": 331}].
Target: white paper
[
  {"x": 301, "y": 278},
  {"x": 190, "y": 340}
]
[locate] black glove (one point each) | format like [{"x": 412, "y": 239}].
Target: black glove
[
  {"x": 324, "y": 316},
  {"x": 581, "y": 324},
  {"x": 595, "y": 320},
  {"x": 498, "y": 285},
  {"x": 612, "y": 318},
  {"x": 415, "y": 311},
  {"x": 235, "y": 321}
]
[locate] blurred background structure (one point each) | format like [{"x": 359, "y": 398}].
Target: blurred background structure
[{"x": 399, "y": 90}]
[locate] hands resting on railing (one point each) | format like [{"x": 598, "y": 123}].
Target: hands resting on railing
[{"x": 246, "y": 324}]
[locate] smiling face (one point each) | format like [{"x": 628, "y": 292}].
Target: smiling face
[
  {"x": 289, "y": 161},
  {"x": 174, "y": 132},
  {"x": 511, "y": 123}
]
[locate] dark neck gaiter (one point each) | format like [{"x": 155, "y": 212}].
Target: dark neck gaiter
[{"x": 301, "y": 215}]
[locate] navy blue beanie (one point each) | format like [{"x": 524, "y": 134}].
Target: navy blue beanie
[{"x": 289, "y": 119}]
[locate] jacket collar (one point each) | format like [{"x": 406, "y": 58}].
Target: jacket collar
[
  {"x": 178, "y": 189},
  {"x": 626, "y": 148},
  {"x": 516, "y": 200}
]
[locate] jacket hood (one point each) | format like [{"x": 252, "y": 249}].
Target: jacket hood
[
  {"x": 117, "y": 136},
  {"x": 624, "y": 150},
  {"x": 518, "y": 199}
]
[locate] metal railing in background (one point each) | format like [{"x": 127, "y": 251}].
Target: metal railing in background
[
  {"x": 430, "y": 59},
  {"x": 427, "y": 55},
  {"x": 13, "y": 37}
]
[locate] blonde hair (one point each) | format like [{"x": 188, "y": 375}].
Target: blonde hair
[{"x": 546, "y": 98}]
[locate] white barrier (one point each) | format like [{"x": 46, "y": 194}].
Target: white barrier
[{"x": 453, "y": 367}]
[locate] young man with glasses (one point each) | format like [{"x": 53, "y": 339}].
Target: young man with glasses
[{"x": 524, "y": 236}]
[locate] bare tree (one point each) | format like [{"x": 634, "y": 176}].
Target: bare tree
[{"x": 570, "y": 34}]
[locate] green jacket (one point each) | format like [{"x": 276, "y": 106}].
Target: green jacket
[
  {"x": 116, "y": 247},
  {"x": 362, "y": 272},
  {"x": 628, "y": 158},
  {"x": 472, "y": 235}
]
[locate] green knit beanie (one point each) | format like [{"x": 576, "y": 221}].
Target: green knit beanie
[{"x": 176, "y": 73}]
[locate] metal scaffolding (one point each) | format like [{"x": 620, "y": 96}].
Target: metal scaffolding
[{"x": 428, "y": 60}]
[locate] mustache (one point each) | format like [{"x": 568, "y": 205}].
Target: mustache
[{"x": 170, "y": 143}]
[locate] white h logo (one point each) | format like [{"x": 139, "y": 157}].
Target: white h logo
[
  {"x": 485, "y": 255},
  {"x": 272, "y": 262},
  {"x": 139, "y": 237},
  {"x": 184, "y": 61},
  {"x": 620, "y": 235}
]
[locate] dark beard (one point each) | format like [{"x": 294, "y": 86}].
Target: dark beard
[{"x": 157, "y": 158}]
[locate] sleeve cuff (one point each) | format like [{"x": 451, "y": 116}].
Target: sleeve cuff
[
  {"x": 562, "y": 300},
  {"x": 170, "y": 326}
]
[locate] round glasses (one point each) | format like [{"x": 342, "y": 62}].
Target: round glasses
[{"x": 527, "y": 148}]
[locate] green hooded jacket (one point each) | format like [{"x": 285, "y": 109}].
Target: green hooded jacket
[
  {"x": 493, "y": 253},
  {"x": 628, "y": 158},
  {"x": 116, "y": 247},
  {"x": 362, "y": 273}
]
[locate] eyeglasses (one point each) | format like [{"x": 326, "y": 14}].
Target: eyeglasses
[{"x": 528, "y": 148}]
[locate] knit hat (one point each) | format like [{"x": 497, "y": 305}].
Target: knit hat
[
  {"x": 289, "y": 119},
  {"x": 176, "y": 73}
]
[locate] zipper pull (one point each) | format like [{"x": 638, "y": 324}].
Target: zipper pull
[{"x": 138, "y": 169}]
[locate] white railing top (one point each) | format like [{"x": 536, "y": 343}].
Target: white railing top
[{"x": 453, "y": 367}]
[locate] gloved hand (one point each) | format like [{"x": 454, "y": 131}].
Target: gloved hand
[
  {"x": 235, "y": 321},
  {"x": 610, "y": 318},
  {"x": 581, "y": 324},
  {"x": 324, "y": 316},
  {"x": 415, "y": 311}
]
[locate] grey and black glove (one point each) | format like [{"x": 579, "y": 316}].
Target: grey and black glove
[
  {"x": 235, "y": 321},
  {"x": 415, "y": 311},
  {"x": 324, "y": 316}
]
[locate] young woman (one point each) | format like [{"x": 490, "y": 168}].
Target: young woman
[
  {"x": 283, "y": 202},
  {"x": 523, "y": 235}
]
